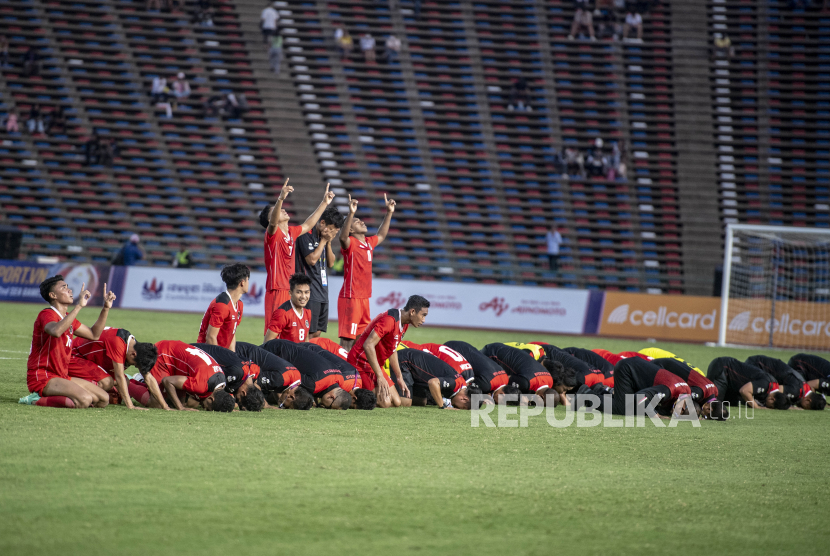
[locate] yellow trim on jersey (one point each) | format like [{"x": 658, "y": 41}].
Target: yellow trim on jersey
[
  {"x": 386, "y": 368},
  {"x": 657, "y": 353},
  {"x": 536, "y": 351}
]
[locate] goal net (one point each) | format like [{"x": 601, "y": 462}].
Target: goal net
[{"x": 776, "y": 287}]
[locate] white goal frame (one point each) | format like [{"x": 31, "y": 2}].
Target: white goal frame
[{"x": 727, "y": 262}]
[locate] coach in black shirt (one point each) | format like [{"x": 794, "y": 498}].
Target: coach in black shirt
[{"x": 314, "y": 257}]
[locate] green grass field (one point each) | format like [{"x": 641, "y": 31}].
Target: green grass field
[{"x": 395, "y": 481}]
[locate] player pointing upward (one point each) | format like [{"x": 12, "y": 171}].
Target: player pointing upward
[
  {"x": 353, "y": 313},
  {"x": 279, "y": 246}
]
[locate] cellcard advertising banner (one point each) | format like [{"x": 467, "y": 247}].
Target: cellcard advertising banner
[{"x": 663, "y": 317}]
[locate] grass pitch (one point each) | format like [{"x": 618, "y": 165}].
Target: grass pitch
[{"x": 401, "y": 481}]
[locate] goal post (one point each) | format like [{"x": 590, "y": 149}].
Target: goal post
[{"x": 776, "y": 287}]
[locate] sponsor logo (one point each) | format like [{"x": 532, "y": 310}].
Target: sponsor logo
[
  {"x": 497, "y": 304},
  {"x": 254, "y": 294},
  {"x": 393, "y": 299},
  {"x": 663, "y": 317},
  {"x": 785, "y": 325},
  {"x": 740, "y": 321},
  {"x": 153, "y": 290}
]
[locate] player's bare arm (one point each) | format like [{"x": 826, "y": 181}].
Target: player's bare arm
[
  {"x": 347, "y": 224},
  {"x": 331, "y": 257},
  {"x": 746, "y": 396},
  {"x": 95, "y": 332},
  {"x": 387, "y": 220},
  {"x": 311, "y": 221},
  {"x": 371, "y": 356},
  {"x": 172, "y": 384},
  {"x": 157, "y": 398},
  {"x": 212, "y": 336},
  {"x": 275, "y": 212},
  {"x": 121, "y": 385},
  {"x": 57, "y": 329},
  {"x": 395, "y": 367}
]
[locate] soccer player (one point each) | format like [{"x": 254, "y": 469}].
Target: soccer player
[
  {"x": 657, "y": 353},
  {"x": 704, "y": 392},
  {"x": 331, "y": 347},
  {"x": 279, "y": 247},
  {"x": 321, "y": 378},
  {"x": 448, "y": 355},
  {"x": 103, "y": 361},
  {"x": 183, "y": 367},
  {"x": 225, "y": 312},
  {"x": 488, "y": 376},
  {"x": 527, "y": 374},
  {"x": 266, "y": 373},
  {"x": 430, "y": 377},
  {"x": 593, "y": 360},
  {"x": 353, "y": 312},
  {"x": 792, "y": 383},
  {"x": 352, "y": 383},
  {"x": 739, "y": 382},
  {"x": 645, "y": 381},
  {"x": 379, "y": 343},
  {"x": 47, "y": 369},
  {"x": 535, "y": 350},
  {"x": 231, "y": 365},
  {"x": 292, "y": 320},
  {"x": 314, "y": 257},
  {"x": 814, "y": 369}
]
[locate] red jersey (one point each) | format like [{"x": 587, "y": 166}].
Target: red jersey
[
  {"x": 223, "y": 315},
  {"x": 108, "y": 349},
  {"x": 612, "y": 358},
  {"x": 48, "y": 353},
  {"x": 390, "y": 329},
  {"x": 331, "y": 347},
  {"x": 357, "y": 268},
  {"x": 279, "y": 257},
  {"x": 176, "y": 358},
  {"x": 627, "y": 354},
  {"x": 448, "y": 355},
  {"x": 288, "y": 325}
]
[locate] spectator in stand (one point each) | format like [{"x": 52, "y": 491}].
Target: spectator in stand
[
  {"x": 57, "y": 121},
  {"x": 108, "y": 151},
  {"x": 583, "y": 19},
  {"x": 633, "y": 20},
  {"x": 393, "y": 49},
  {"x": 598, "y": 164},
  {"x": 182, "y": 258},
  {"x": 35, "y": 121},
  {"x": 618, "y": 169},
  {"x": 554, "y": 240},
  {"x": 275, "y": 54},
  {"x": 268, "y": 22},
  {"x": 12, "y": 125},
  {"x": 235, "y": 105},
  {"x": 31, "y": 65},
  {"x": 159, "y": 90},
  {"x": 605, "y": 17},
  {"x": 4, "y": 51},
  {"x": 132, "y": 252},
  {"x": 203, "y": 16},
  {"x": 91, "y": 149},
  {"x": 344, "y": 41},
  {"x": 367, "y": 45},
  {"x": 214, "y": 105},
  {"x": 723, "y": 46},
  {"x": 181, "y": 88},
  {"x": 518, "y": 95},
  {"x": 574, "y": 162}
]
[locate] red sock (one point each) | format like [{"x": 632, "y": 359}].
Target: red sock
[
  {"x": 55, "y": 401},
  {"x": 139, "y": 393}
]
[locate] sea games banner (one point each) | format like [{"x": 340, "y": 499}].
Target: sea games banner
[
  {"x": 171, "y": 289},
  {"x": 20, "y": 280}
]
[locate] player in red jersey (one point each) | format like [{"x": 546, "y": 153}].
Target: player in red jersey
[
  {"x": 331, "y": 347},
  {"x": 353, "y": 312},
  {"x": 103, "y": 361},
  {"x": 279, "y": 247},
  {"x": 47, "y": 370},
  {"x": 187, "y": 368},
  {"x": 291, "y": 320},
  {"x": 378, "y": 343},
  {"x": 448, "y": 355},
  {"x": 224, "y": 313}
]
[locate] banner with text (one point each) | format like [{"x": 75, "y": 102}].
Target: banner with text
[
  {"x": 20, "y": 280},
  {"x": 791, "y": 323},
  {"x": 663, "y": 317}
]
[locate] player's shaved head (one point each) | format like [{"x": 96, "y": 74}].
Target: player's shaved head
[
  {"x": 146, "y": 355},
  {"x": 341, "y": 400},
  {"x": 48, "y": 285},
  {"x": 233, "y": 275}
]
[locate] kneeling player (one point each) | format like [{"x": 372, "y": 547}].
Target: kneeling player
[
  {"x": 274, "y": 377},
  {"x": 704, "y": 391},
  {"x": 738, "y": 382},
  {"x": 352, "y": 383},
  {"x": 433, "y": 378},
  {"x": 446, "y": 354},
  {"x": 488, "y": 376},
  {"x": 319, "y": 377},
  {"x": 793, "y": 384},
  {"x": 527, "y": 374},
  {"x": 47, "y": 369},
  {"x": 593, "y": 360},
  {"x": 182, "y": 367},
  {"x": 103, "y": 361},
  {"x": 814, "y": 369},
  {"x": 647, "y": 381}
]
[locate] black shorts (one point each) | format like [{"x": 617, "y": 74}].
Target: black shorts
[
  {"x": 319, "y": 316},
  {"x": 407, "y": 379}
]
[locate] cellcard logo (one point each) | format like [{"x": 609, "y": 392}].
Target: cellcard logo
[
  {"x": 740, "y": 322},
  {"x": 785, "y": 325},
  {"x": 153, "y": 290},
  {"x": 618, "y": 315},
  {"x": 497, "y": 304}
]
